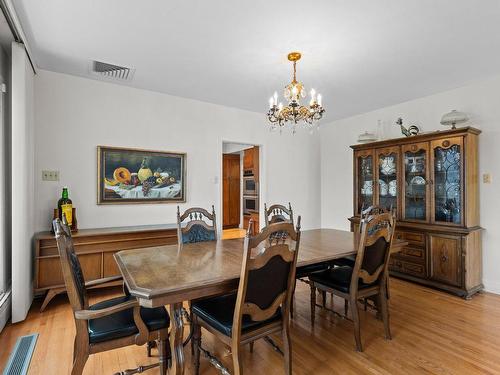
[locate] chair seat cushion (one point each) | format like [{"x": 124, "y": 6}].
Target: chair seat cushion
[
  {"x": 121, "y": 324},
  {"x": 346, "y": 261},
  {"x": 219, "y": 311},
  {"x": 338, "y": 278},
  {"x": 305, "y": 271}
]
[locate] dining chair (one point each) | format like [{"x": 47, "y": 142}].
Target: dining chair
[
  {"x": 109, "y": 324},
  {"x": 365, "y": 212},
  {"x": 367, "y": 278},
  {"x": 377, "y": 210},
  {"x": 196, "y": 225},
  {"x": 261, "y": 305},
  {"x": 278, "y": 213}
]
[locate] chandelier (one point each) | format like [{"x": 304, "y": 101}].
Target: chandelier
[{"x": 294, "y": 112}]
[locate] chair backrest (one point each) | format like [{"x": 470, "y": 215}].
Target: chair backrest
[
  {"x": 372, "y": 259},
  {"x": 278, "y": 213},
  {"x": 200, "y": 225},
  {"x": 268, "y": 275},
  {"x": 375, "y": 210},
  {"x": 71, "y": 269}
]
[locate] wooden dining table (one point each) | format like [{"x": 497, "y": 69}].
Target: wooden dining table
[{"x": 169, "y": 275}]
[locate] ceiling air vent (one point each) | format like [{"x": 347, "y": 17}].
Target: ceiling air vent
[{"x": 111, "y": 71}]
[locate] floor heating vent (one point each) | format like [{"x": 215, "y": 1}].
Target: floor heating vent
[{"x": 19, "y": 360}]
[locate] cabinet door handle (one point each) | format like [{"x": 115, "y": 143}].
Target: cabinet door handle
[{"x": 444, "y": 258}]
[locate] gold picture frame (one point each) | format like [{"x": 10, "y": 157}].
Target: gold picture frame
[{"x": 138, "y": 176}]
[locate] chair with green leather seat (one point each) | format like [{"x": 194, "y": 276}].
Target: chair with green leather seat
[
  {"x": 109, "y": 324},
  {"x": 261, "y": 305},
  {"x": 368, "y": 277}
]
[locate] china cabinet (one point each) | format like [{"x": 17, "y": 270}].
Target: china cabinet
[{"x": 430, "y": 181}]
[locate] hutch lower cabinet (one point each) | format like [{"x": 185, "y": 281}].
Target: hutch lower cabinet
[
  {"x": 431, "y": 182},
  {"x": 95, "y": 249}
]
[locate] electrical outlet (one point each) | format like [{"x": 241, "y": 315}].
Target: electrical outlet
[
  {"x": 486, "y": 178},
  {"x": 50, "y": 175}
]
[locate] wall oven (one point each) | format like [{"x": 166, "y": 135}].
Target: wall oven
[
  {"x": 250, "y": 204},
  {"x": 250, "y": 186}
]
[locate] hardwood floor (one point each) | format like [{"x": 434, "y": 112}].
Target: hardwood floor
[
  {"x": 433, "y": 333},
  {"x": 228, "y": 234}
]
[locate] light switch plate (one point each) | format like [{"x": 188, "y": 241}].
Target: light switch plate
[
  {"x": 486, "y": 178},
  {"x": 50, "y": 175}
]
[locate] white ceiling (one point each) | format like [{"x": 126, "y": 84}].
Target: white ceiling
[{"x": 361, "y": 55}]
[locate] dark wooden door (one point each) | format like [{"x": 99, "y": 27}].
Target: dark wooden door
[
  {"x": 445, "y": 260},
  {"x": 231, "y": 191}
]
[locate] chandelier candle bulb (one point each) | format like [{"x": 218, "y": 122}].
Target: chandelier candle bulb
[
  {"x": 275, "y": 98},
  {"x": 280, "y": 106},
  {"x": 271, "y": 102},
  {"x": 320, "y": 99}
]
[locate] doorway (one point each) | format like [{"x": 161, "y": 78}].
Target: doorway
[{"x": 240, "y": 192}]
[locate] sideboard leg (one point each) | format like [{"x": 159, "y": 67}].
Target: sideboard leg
[{"x": 51, "y": 294}]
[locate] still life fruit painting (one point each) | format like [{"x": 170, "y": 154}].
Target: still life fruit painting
[{"x": 140, "y": 176}]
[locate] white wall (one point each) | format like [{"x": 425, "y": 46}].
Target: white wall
[
  {"x": 481, "y": 100},
  {"x": 230, "y": 148},
  {"x": 74, "y": 115},
  {"x": 22, "y": 182},
  {"x": 5, "y": 142},
  {"x": 5, "y": 191}
]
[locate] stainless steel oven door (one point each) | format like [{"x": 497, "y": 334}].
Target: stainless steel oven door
[
  {"x": 250, "y": 186},
  {"x": 250, "y": 204}
]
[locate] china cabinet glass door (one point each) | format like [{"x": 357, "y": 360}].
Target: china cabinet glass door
[
  {"x": 416, "y": 177},
  {"x": 365, "y": 189},
  {"x": 447, "y": 158},
  {"x": 387, "y": 173}
]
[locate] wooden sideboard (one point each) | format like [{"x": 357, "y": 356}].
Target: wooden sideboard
[
  {"x": 431, "y": 182},
  {"x": 95, "y": 249}
]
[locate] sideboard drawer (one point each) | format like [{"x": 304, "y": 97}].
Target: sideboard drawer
[
  {"x": 409, "y": 268},
  {"x": 412, "y": 254},
  {"x": 414, "y": 238}
]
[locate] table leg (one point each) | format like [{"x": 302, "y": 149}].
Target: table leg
[{"x": 176, "y": 336}]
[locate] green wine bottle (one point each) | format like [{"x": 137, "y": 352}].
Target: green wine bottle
[{"x": 65, "y": 207}]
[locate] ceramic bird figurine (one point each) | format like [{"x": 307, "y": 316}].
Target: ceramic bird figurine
[{"x": 412, "y": 129}]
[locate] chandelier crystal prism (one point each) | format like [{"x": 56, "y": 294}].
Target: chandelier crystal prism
[{"x": 294, "y": 113}]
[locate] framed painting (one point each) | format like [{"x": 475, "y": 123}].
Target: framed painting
[{"x": 127, "y": 175}]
